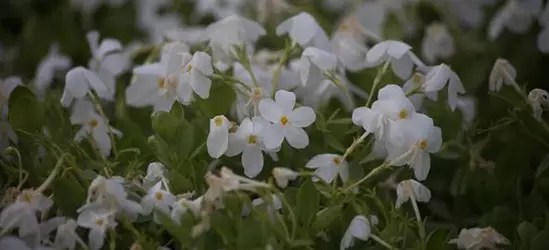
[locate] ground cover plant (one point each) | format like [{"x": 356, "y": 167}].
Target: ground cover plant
[{"x": 274, "y": 124}]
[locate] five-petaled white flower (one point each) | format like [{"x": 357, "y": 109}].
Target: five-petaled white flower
[
  {"x": 98, "y": 220},
  {"x": 328, "y": 166},
  {"x": 157, "y": 83},
  {"x": 218, "y": 138},
  {"x": 479, "y": 238},
  {"x": 286, "y": 122},
  {"x": 22, "y": 213},
  {"x": 411, "y": 189},
  {"x": 305, "y": 31},
  {"x": 401, "y": 57},
  {"x": 158, "y": 198},
  {"x": 360, "y": 228},
  {"x": 437, "y": 78},
  {"x": 196, "y": 70},
  {"x": 247, "y": 140},
  {"x": 314, "y": 64}
]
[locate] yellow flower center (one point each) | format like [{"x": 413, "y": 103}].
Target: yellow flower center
[
  {"x": 161, "y": 82},
  {"x": 257, "y": 93},
  {"x": 233, "y": 127},
  {"x": 159, "y": 196},
  {"x": 417, "y": 79},
  {"x": 100, "y": 222},
  {"x": 337, "y": 160},
  {"x": 218, "y": 121},
  {"x": 284, "y": 120},
  {"x": 27, "y": 198},
  {"x": 252, "y": 139},
  {"x": 423, "y": 144},
  {"x": 403, "y": 114},
  {"x": 189, "y": 67},
  {"x": 93, "y": 123}
]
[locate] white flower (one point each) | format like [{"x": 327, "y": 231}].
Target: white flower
[
  {"x": 247, "y": 140},
  {"x": 22, "y": 213},
  {"x": 391, "y": 106},
  {"x": 182, "y": 206},
  {"x": 438, "y": 77},
  {"x": 437, "y": 43},
  {"x": 98, "y": 221},
  {"x": 155, "y": 173},
  {"x": 79, "y": 81},
  {"x": 196, "y": 71},
  {"x": 66, "y": 236},
  {"x": 157, "y": 83},
  {"x": 283, "y": 176},
  {"x": 218, "y": 138},
  {"x": 12, "y": 242},
  {"x": 220, "y": 9},
  {"x": 46, "y": 69},
  {"x": 401, "y": 57},
  {"x": 231, "y": 31},
  {"x": 502, "y": 73},
  {"x": 411, "y": 189},
  {"x": 360, "y": 228},
  {"x": 228, "y": 181},
  {"x": 515, "y": 15},
  {"x": 314, "y": 64},
  {"x": 467, "y": 106},
  {"x": 305, "y": 31},
  {"x": 479, "y": 238},
  {"x": 110, "y": 193},
  {"x": 348, "y": 44},
  {"x": 328, "y": 166},
  {"x": 538, "y": 99},
  {"x": 286, "y": 122},
  {"x": 421, "y": 137},
  {"x": 108, "y": 58},
  {"x": 157, "y": 198},
  {"x": 92, "y": 124}
]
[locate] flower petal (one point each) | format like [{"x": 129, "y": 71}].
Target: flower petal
[
  {"x": 270, "y": 110},
  {"x": 285, "y": 100},
  {"x": 200, "y": 84},
  {"x": 273, "y": 135},
  {"x": 296, "y": 137},
  {"x": 302, "y": 117},
  {"x": 252, "y": 161}
]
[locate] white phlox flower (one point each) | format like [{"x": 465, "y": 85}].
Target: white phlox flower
[
  {"x": 479, "y": 238},
  {"x": 315, "y": 64},
  {"x": 286, "y": 122},
  {"x": 399, "y": 54},
  {"x": 470, "y": 13},
  {"x": 360, "y": 228},
  {"x": 182, "y": 206},
  {"x": 503, "y": 73},
  {"x": 93, "y": 124},
  {"x": 98, "y": 221},
  {"x": 247, "y": 141},
  {"x": 543, "y": 36},
  {"x": 516, "y": 15},
  {"x": 305, "y": 31},
  {"x": 415, "y": 84},
  {"x": 348, "y": 44},
  {"x": 218, "y": 138},
  {"x": 195, "y": 78},
  {"x": 66, "y": 236},
  {"x": 220, "y": 9},
  {"x": 21, "y": 214},
  {"x": 391, "y": 106},
  {"x": 12, "y": 242},
  {"x": 268, "y": 8},
  {"x": 110, "y": 194},
  {"x": 421, "y": 137},
  {"x": 47, "y": 68},
  {"x": 437, "y": 43},
  {"x": 284, "y": 175},
  {"x": 155, "y": 172},
  {"x": 158, "y": 84},
  {"x": 79, "y": 82},
  {"x": 231, "y": 31},
  {"x": 108, "y": 58},
  {"x": 157, "y": 197},
  {"x": 411, "y": 189},
  {"x": 440, "y": 76},
  {"x": 328, "y": 166},
  {"x": 538, "y": 100}
]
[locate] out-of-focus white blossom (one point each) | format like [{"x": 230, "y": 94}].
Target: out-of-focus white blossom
[
  {"x": 399, "y": 54},
  {"x": 98, "y": 220},
  {"x": 479, "y": 238},
  {"x": 47, "y": 68},
  {"x": 315, "y": 64},
  {"x": 305, "y": 31},
  {"x": 328, "y": 166},
  {"x": 21, "y": 214},
  {"x": 360, "y": 228},
  {"x": 538, "y": 99},
  {"x": 411, "y": 189},
  {"x": 283, "y": 176},
  {"x": 440, "y": 76},
  {"x": 437, "y": 43},
  {"x": 502, "y": 73},
  {"x": 516, "y": 15}
]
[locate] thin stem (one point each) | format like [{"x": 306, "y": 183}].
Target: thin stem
[
  {"x": 52, "y": 175},
  {"x": 377, "y": 80},
  {"x": 354, "y": 145},
  {"x": 382, "y": 242},
  {"x": 281, "y": 63},
  {"x": 375, "y": 171},
  {"x": 419, "y": 221}
]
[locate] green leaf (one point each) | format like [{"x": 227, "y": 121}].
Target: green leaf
[
  {"x": 526, "y": 231},
  {"x": 307, "y": 202},
  {"x": 223, "y": 226},
  {"x": 69, "y": 194},
  {"x": 220, "y": 100},
  {"x": 327, "y": 216},
  {"x": 175, "y": 230},
  {"x": 542, "y": 166},
  {"x": 251, "y": 234},
  {"x": 25, "y": 112},
  {"x": 540, "y": 241}
]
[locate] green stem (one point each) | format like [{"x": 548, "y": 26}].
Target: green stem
[
  {"x": 374, "y": 172},
  {"x": 419, "y": 222},
  {"x": 382, "y": 242},
  {"x": 52, "y": 175},
  {"x": 353, "y": 146},
  {"x": 377, "y": 80}
]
